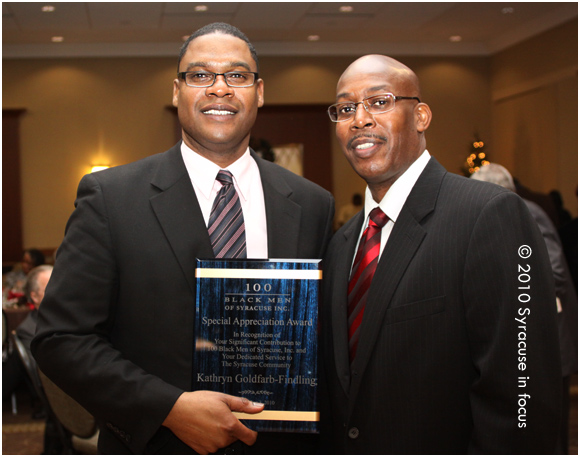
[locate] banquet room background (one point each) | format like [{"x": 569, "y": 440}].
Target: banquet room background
[{"x": 70, "y": 113}]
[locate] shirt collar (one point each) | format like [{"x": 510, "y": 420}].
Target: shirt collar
[
  {"x": 203, "y": 172},
  {"x": 395, "y": 198}
]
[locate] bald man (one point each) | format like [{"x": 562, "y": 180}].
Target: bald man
[
  {"x": 36, "y": 283},
  {"x": 435, "y": 334}
]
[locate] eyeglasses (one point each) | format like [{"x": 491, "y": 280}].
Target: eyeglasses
[
  {"x": 207, "y": 79},
  {"x": 376, "y": 104}
]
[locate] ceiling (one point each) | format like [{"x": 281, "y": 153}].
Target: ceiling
[{"x": 277, "y": 28}]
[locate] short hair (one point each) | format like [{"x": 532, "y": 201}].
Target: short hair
[
  {"x": 32, "y": 280},
  {"x": 36, "y": 256},
  {"x": 224, "y": 29},
  {"x": 495, "y": 174}
]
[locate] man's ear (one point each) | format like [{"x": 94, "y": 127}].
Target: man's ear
[
  {"x": 175, "y": 92},
  {"x": 423, "y": 117},
  {"x": 260, "y": 89}
]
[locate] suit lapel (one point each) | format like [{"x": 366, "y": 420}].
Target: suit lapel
[
  {"x": 339, "y": 303},
  {"x": 179, "y": 214},
  {"x": 283, "y": 215},
  {"x": 404, "y": 241}
]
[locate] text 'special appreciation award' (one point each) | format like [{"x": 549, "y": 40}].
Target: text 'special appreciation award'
[{"x": 256, "y": 337}]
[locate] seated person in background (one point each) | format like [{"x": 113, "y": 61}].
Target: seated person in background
[
  {"x": 34, "y": 292},
  {"x": 566, "y": 298},
  {"x": 33, "y": 288},
  {"x": 13, "y": 282}
]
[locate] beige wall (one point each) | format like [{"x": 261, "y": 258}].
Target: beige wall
[
  {"x": 535, "y": 112},
  {"x": 82, "y": 112}
]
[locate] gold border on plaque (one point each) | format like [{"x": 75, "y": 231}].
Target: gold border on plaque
[
  {"x": 306, "y": 416},
  {"x": 257, "y": 274}
]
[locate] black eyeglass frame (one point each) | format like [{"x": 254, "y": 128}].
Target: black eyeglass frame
[
  {"x": 183, "y": 75},
  {"x": 363, "y": 102}
]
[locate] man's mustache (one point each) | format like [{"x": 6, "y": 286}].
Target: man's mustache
[{"x": 365, "y": 135}]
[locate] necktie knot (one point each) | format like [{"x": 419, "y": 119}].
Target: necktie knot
[
  {"x": 224, "y": 177},
  {"x": 378, "y": 218}
]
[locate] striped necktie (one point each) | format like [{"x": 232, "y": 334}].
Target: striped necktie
[
  {"x": 226, "y": 222},
  {"x": 363, "y": 270}
]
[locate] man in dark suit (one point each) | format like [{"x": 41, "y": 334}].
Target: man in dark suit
[
  {"x": 116, "y": 328},
  {"x": 436, "y": 338}
]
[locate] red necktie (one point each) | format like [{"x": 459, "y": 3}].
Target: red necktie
[{"x": 363, "y": 270}]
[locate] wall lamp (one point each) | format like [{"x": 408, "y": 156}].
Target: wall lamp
[{"x": 99, "y": 168}]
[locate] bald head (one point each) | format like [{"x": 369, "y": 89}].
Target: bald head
[
  {"x": 496, "y": 174},
  {"x": 36, "y": 283},
  {"x": 381, "y": 140},
  {"x": 391, "y": 70}
]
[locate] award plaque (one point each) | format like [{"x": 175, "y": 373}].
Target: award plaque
[{"x": 256, "y": 337}]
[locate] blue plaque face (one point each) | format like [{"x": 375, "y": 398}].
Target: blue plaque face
[{"x": 256, "y": 337}]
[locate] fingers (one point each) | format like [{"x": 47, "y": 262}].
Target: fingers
[
  {"x": 243, "y": 405},
  {"x": 204, "y": 420},
  {"x": 245, "y": 435}
]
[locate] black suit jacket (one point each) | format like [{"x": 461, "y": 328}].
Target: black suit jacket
[
  {"x": 115, "y": 329},
  {"x": 436, "y": 370}
]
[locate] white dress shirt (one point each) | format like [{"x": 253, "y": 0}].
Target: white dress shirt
[
  {"x": 394, "y": 199},
  {"x": 248, "y": 184}
]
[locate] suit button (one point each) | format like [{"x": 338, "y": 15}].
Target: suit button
[
  {"x": 353, "y": 433},
  {"x": 230, "y": 450}
]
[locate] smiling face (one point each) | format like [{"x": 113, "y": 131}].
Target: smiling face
[
  {"x": 216, "y": 121},
  {"x": 381, "y": 147}
]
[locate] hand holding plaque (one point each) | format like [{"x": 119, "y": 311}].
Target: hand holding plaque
[
  {"x": 256, "y": 337},
  {"x": 204, "y": 421}
]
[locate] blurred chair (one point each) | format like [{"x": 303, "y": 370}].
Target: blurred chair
[
  {"x": 32, "y": 371},
  {"x": 6, "y": 351},
  {"x": 77, "y": 420},
  {"x": 4, "y": 330}
]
